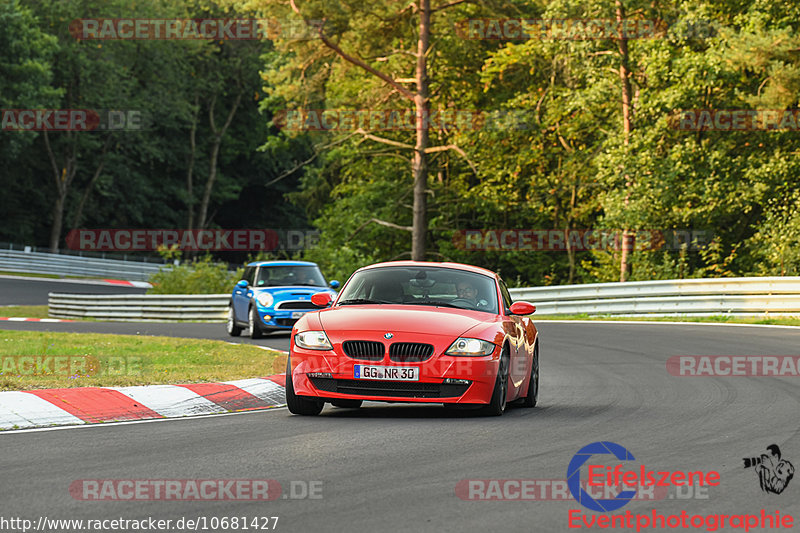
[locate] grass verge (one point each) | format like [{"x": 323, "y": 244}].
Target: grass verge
[
  {"x": 61, "y": 360},
  {"x": 27, "y": 311},
  {"x": 777, "y": 321}
]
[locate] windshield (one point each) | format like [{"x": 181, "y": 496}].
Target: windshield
[
  {"x": 279, "y": 276},
  {"x": 434, "y": 286}
]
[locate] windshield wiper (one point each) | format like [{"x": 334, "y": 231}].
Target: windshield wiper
[
  {"x": 355, "y": 301},
  {"x": 440, "y": 304}
]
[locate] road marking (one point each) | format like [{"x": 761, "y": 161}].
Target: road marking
[
  {"x": 96, "y": 404},
  {"x": 22, "y": 409},
  {"x": 171, "y": 401},
  {"x": 130, "y": 422},
  {"x": 668, "y": 323},
  {"x": 25, "y": 319}
]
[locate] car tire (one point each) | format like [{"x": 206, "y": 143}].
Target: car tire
[
  {"x": 299, "y": 405},
  {"x": 233, "y": 329},
  {"x": 499, "y": 402},
  {"x": 347, "y": 404},
  {"x": 255, "y": 329},
  {"x": 533, "y": 389}
]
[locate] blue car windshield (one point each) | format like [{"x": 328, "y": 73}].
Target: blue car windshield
[{"x": 281, "y": 276}]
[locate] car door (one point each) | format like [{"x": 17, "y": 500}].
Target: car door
[
  {"x": 241, "y": 296},
  {"x": 515, "y": 328}
]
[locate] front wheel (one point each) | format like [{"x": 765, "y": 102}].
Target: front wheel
[
  {"x": 299, "y": 405},
  {"x": 231, "y": 327},
  {"x": 255, "y": 329},
  {"x": 497, "y": 405},
  {"x": 533, "y": 388}
]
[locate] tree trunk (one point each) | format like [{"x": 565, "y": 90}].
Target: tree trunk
[
  {"x": 58, "y": 219},
  {"x": 76, "y": 220},
  {"x": 422, "y": 108},
  {"x": 624, "y": 75},
  {"x": 190, "y": 165},
  {"x": 568, "y": 228},
  {"x": 212, "y": 164},
  {"x": 63, "y": 177}
]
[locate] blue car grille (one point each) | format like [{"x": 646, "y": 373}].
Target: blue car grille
[{"x": 296, "y": 305}]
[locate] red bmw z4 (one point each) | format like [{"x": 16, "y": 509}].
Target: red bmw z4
[{"x": 419, "y": 332}]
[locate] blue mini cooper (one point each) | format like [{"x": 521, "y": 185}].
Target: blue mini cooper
[{"x": 273, "y": 294}]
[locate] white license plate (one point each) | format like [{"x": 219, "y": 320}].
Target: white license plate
[
  {"x": 386, "y": 373},
  {"x": 298, "y": 314}
]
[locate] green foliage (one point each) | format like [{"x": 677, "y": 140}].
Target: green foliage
[
  {"x": 565, "y": 165},
  {"x": 775, "y": 244},
  {"x": 200, "y": 277}
]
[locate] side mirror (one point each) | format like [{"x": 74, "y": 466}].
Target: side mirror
[
  {"x": 334, "y": 284},
  {"x": 522, "y": 308},
  {"x": 242, "y": 283},
  {"x": 321, "y": 299}
]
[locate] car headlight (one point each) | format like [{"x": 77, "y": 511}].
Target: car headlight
[
  {"x": 313, "y": 340},
  {"x": 265, "y": 299},
  {"x": 470, "y": 347}
]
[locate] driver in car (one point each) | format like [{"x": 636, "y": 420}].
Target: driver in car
[{"x": 466, "y": 291}]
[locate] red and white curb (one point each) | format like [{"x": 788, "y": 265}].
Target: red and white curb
[
  {"x": 83, "y": 281},
  {"x": 140, "y": 284},
  {"x": 91, "y": 405},
  {"x": 24, "y": 319}
]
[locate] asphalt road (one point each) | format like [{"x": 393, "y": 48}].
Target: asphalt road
[
  {"x": 33, "y": 291},
  {"x": 395, "y": 467}
]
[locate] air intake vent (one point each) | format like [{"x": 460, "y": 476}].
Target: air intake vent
[
  {"x": 367, "y": 350},
  {"x": 409, "y": 352}
]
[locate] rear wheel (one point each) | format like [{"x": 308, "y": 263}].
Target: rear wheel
[
  {"x": 533, "y": 389},
  {"x": 255, "y": 329},
  {"x": 347, "y": 404},
  {"x": 299, "y": 405},
  {"x": 233, "y": 329},
  {"x": 497, "y": 406}
]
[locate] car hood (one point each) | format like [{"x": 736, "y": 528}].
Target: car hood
[{"x": 415, "y": 319}]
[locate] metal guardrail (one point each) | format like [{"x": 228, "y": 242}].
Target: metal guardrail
[
  {"x": 777, "y": 296},
  {"x": 71, "y": 265},
  {"x": 140, "y": 307}
]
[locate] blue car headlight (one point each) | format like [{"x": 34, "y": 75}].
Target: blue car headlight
[{"x": 265, "y": 299}]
